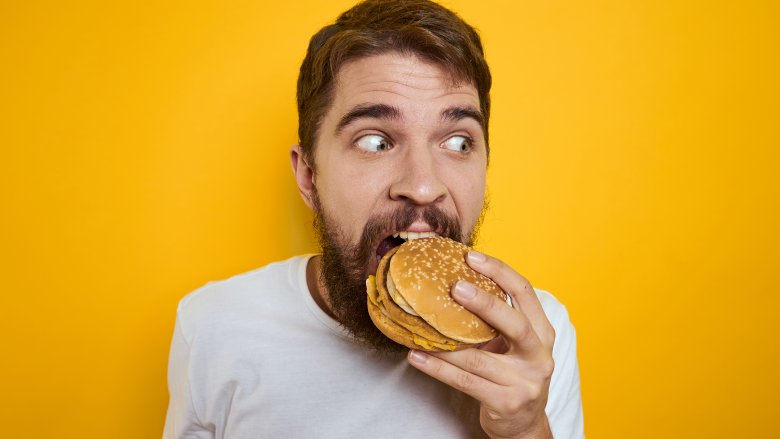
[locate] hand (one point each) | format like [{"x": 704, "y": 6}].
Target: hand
[{"x": 509, "y": 376}]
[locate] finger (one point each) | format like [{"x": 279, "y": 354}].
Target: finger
[
  {"x": 510, "y": 322},
  {"x": 519, "y": 289},
  {"x": 487, "y": 365},
  {"x": 475, "y": 386}
]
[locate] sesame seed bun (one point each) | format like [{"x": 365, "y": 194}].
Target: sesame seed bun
[{"x": 410, "y": 302}]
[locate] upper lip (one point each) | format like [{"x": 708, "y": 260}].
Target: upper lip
[{"x": 418, "y": 227}]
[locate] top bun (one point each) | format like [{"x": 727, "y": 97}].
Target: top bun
[{"x": 424, "y": 272}]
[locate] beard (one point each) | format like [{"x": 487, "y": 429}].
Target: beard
[{"x": 344, "y": 267}]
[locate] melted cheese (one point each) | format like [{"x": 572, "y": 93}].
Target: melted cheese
[
  {"x": 371, "y": 289},
  {"x": 428, "y": 344}
]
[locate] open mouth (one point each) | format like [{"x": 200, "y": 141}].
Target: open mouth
[{"x": 399, "y": 238}]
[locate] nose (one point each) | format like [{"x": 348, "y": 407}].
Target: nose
[{"x": 418, "y": 180}]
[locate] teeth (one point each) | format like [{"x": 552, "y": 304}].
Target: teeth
[{"x": 409, "y": 236}]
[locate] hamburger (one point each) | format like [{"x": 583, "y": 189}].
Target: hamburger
[{"x": 409, "y": 298}]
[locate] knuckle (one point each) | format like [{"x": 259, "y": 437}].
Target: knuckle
[
  {"x": 488, "y": 303},
  {"x": 535, "y": 392},
  {"x": 522, "y": 330},
  {"x": 438, "y": 368},
  {"x": 476, "y": 362},
  {"x": 527, "y": 288},
  {"x": 464, "y": 382},
  {"x": 501, "y": 268},
  {"x": 511, "y": 405},
  {"x": 547, "y": 367},
  {"x": 494, "y": 268},
  {"x": 553, "y": 335}
]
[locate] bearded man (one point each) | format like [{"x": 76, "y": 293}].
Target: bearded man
[{"x": 393, "y": 103}]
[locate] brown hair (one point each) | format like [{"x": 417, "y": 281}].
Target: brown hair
[{"x": 373, "y": 27}]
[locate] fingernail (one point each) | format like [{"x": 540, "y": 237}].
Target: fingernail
[
  {"x": 475, "y": 256},
  {"x": 464, "y": 290},
  {"x": 418, "y": 357}
]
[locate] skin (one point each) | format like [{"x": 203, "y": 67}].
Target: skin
[{"x": 377, "y": 163}]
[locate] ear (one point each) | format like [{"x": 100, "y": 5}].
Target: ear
[{"x": 304, "y": 175}]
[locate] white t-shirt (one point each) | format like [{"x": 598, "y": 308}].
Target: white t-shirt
[{"x": 253, "y": 357}]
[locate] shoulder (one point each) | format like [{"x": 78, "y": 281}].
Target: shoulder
[
  {"x": 564, "y": 402},
  {"x": 241, "y": 295},
  {"x": 555, "y": 310},
  {"x": 558, "y": 315}
]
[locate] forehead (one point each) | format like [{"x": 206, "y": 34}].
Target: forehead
[{"x": 399, "y": 77}]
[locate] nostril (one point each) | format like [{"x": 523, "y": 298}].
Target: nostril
[
  {"x": 418, "y": 181},
  {"x": 421, "y": 193}
]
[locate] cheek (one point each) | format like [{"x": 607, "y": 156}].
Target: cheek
[
  {"x": 349, "y": 196},
  {"x": 467, "y": 188}
]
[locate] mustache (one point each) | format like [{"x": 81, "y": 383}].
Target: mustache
[{"x": 402, "y": 218}]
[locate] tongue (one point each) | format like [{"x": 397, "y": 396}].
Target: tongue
[{"x": 386, "y": 245}]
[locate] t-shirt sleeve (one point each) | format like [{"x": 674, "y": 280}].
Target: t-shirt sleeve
[
  {"x": 182, "y": 421},
  {"x": 564, "y": 401}
]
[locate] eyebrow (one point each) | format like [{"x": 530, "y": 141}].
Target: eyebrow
[
  {"x": 374, "y": 111},
  {"x": 455, "y": 114},
  {"x": 387, "y": 112}
]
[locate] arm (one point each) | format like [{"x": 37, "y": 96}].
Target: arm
[
  {"x": 511, "y": 375},
  {"x": 181, "y": 421},
  {"x": 564, "y": 402}
]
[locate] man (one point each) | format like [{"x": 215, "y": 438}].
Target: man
[{"x": 393, "y": 108}]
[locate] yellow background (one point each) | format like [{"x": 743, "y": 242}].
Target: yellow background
[{"x": 634, "y": 175}]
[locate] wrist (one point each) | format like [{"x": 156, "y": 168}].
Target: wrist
[{"x": 538, "y": 430}]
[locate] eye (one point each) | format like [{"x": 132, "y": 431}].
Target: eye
[
  {"x": 373, "y": 143},
  {"x": 458, "y": 143}
]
